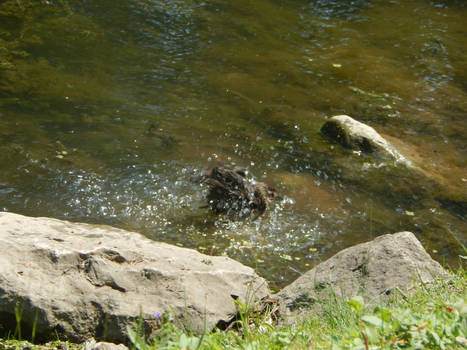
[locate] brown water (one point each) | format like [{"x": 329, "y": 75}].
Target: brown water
[{"x": 108, "y": 109}]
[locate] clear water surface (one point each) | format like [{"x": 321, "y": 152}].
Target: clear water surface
[{"x": 109, "y": 108}]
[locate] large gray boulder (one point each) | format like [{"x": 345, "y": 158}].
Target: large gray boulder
[
  {"x": 81, "y": 280},
  {"x": 371, "y": 270},
  {"x": 355, "y": 135}
]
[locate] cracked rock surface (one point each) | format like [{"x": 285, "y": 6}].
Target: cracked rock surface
[{"x": 83, "y": 281}]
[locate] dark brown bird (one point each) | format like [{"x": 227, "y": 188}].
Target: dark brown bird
[{"x": 230, "y": 192}]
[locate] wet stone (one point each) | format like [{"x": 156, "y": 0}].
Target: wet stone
[{"x": 355, "y": 135}]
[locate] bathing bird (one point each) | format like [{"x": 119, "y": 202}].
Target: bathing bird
[{"x": 230, "y": 192}]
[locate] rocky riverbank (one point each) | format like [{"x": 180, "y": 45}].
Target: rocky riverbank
[{"x": 80, "y": 281}]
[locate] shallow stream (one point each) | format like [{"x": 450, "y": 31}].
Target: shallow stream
[{"x": 108, "y": 109}]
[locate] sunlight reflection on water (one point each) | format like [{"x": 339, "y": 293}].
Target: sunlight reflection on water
[{"x": 115, "y": 119}]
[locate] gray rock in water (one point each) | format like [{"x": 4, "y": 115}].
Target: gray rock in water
[
  {"x": 369, "y": 269},
  {"x": 82, "y": 280},
  {"x": 355, "y": 135}
]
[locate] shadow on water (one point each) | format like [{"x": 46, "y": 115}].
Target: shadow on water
[{"x": 108, "y": 109}]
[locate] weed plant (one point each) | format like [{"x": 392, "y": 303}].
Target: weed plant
[{"x": 431, "y": 316}]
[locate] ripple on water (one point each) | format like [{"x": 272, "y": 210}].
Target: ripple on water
[{"x": 114, "y": 119}]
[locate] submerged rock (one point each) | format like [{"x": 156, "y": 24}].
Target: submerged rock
[
  {"x": 371, "y": 270},
  {"x": 355, "y": 135},
  {"x": 82, "y": 281},
  {"x": 410, "y": 174}
]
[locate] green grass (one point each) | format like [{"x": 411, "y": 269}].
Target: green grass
[{"x": 431, "y": 316}]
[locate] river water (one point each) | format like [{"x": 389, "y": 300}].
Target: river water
[{"x": 109, "y": 109}]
